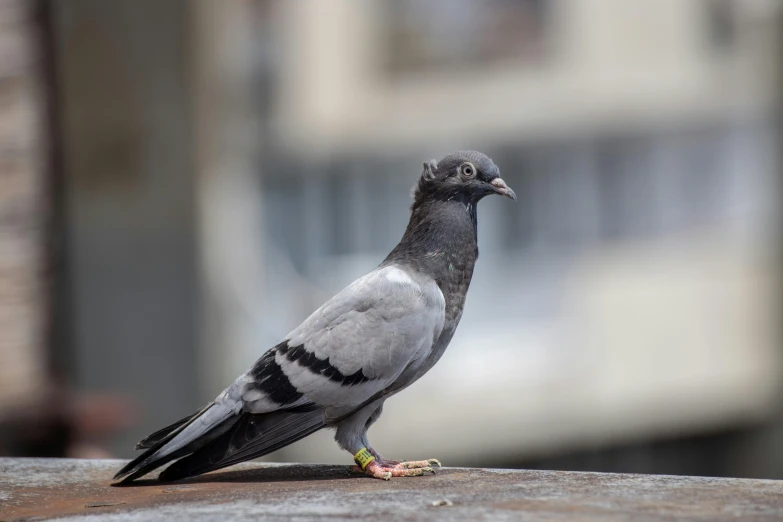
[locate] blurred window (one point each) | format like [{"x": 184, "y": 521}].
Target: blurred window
[
  {"x": 721, "y": 20},
  {"x": 443, "y": 33},
  {"x": 572, "y": 196}
]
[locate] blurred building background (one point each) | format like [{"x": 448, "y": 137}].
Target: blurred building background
[{"x": 182, "y": 182}]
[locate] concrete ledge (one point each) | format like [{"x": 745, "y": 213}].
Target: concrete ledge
[{"x": 79, "y": 489}]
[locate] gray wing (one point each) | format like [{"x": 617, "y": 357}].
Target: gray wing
[{"x": 354, "y": 346}]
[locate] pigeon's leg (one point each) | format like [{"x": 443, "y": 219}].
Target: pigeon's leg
[
  {"x": 351, "y": 435},
  {"x": 367, "y": 464}
]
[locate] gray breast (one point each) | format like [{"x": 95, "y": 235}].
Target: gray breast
[{"x": 453, "y": 283}]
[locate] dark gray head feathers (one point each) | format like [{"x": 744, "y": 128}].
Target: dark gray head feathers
[{"x": 464, "y": 174}]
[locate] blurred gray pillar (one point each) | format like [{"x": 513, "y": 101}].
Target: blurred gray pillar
[
  {"x": 229, "y": 196},
  {"x": 24, "y": 209},
  {"x": 762, "y": 452},
  {"x": 128, "y": 147}
]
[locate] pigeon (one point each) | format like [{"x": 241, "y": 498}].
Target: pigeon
[{"x": 370, "y": 341}]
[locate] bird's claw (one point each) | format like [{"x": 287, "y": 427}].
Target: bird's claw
[
  {"x": 413, "y": 464},
  {"x": 375, "y": 470}
]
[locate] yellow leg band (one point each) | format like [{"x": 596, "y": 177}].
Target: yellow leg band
[{"x": 363, "y": 458}]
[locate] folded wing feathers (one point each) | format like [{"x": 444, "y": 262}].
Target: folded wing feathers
[{"x": 253, "y": 436}]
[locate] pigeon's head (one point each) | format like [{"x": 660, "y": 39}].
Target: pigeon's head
[{"x": 465, "y": 175}]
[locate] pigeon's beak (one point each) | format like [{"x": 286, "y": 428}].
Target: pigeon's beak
[{"x": 499, "y": 186}]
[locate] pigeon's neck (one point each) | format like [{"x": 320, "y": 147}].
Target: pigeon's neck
[{"x": 440, "y": 241}]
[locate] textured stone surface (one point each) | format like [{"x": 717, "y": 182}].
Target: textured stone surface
[{"x": 79, "y": 489}]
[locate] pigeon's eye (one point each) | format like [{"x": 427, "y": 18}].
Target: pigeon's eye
[{"x": 467, "y": 170}]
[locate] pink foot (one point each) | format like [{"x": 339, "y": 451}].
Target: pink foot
[{"x": 376, "y": 470}]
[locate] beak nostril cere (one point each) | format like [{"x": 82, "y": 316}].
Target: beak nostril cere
[{"x": 501, "y": 188}]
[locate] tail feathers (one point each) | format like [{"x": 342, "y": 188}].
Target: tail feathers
[
  {"x": 151, "y": 440},
  {"x": 253, "y": 435},
  {"x": 181, "y": 439}
]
